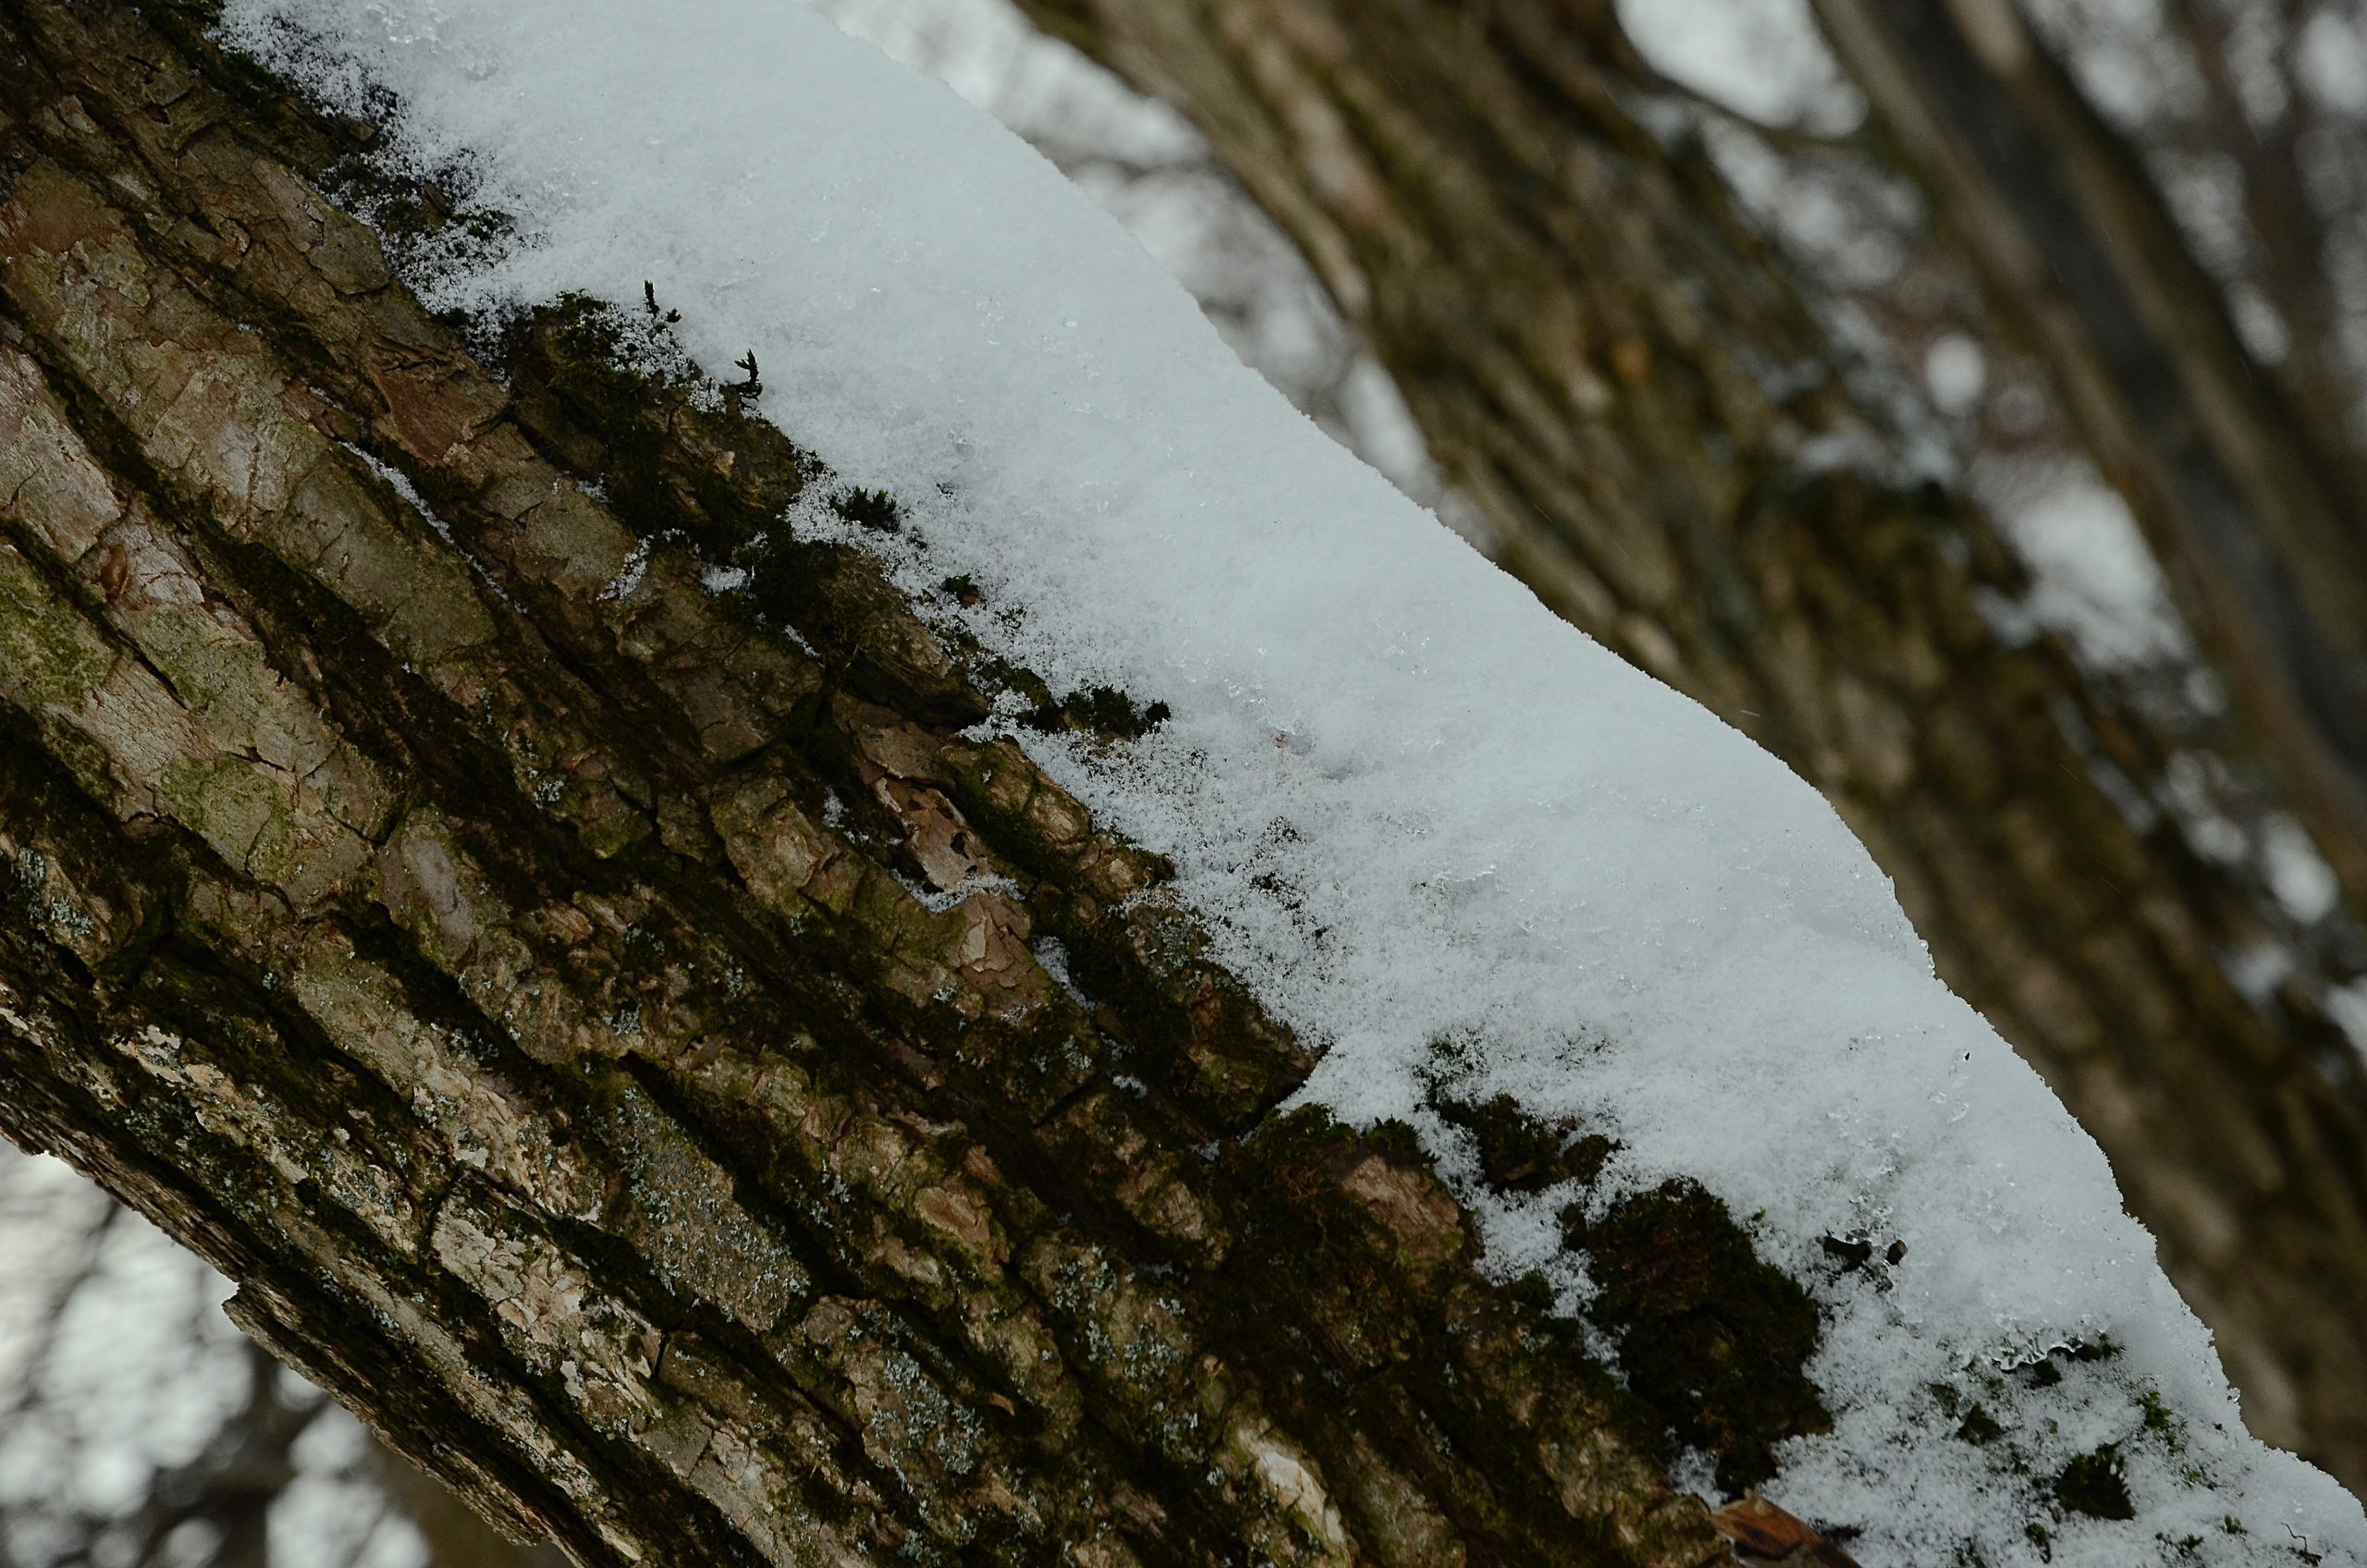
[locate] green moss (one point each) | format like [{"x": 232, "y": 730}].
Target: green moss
[
  {"x": 1520, "y": 1153},
  {"x": 421, "y": 215},
  {"x": 609, "y": 395},
  {"x": 1711, "y": 1335},
  {"x": 2094, "y": 1484},
  {"x": 1198, "y": 1030},
  {"x": 871, "y": 508},
  {"x": 1978, "y": 1428},
  {"x": 422, "y": 219},
  {"x": 1103, "y": 710},
  {"x": 2047, "y": 1371},
  {"x": 2162, "y": 1421},
  {"x": 1365, "y": 1283},
  {"x": 837, "y": 600},
  {"x": 50, "y": 653},
  {"x": 1430, "y": 1361},
  {"x": 1399, "y": 1141},
  {"x": 1004, "y": 675}
]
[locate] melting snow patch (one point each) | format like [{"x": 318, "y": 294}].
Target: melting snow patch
[{"x": 1415, "y": 806}]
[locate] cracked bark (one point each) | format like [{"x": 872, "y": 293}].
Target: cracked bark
[
  {"x": 514, "y": 980},
  {"x": 1672, "y": 448}
]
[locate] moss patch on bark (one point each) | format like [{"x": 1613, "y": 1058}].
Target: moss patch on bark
[{"x": 1711, "y": 1334}]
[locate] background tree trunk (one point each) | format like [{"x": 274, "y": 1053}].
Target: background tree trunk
[
  {"x": 502, "y": 958},
  {"x": 2252, "y": 490},
  {"x": 1680, "y": 459}
]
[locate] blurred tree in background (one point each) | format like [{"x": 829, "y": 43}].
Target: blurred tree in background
[
  {"x": 138, "y": 1426},
  {"x": 1973, "y": 410}
]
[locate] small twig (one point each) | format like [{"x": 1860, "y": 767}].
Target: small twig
[
  {"x": 649, "y": 298},
  {"x": 754, "y": 385}
]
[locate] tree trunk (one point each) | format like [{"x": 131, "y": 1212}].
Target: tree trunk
[
  {"x": 1680, "y": 459},
  {"x": 2250, "y": 496},
  {"x": 508, "y": 964}
]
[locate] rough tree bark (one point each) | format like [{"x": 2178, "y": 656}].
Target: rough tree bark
[
  {"x": 1674, "y": 451},
  {"x": 503, "y": 959}
]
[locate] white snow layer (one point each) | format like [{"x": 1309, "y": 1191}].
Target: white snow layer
[{"x": 1417, "y": 807}]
